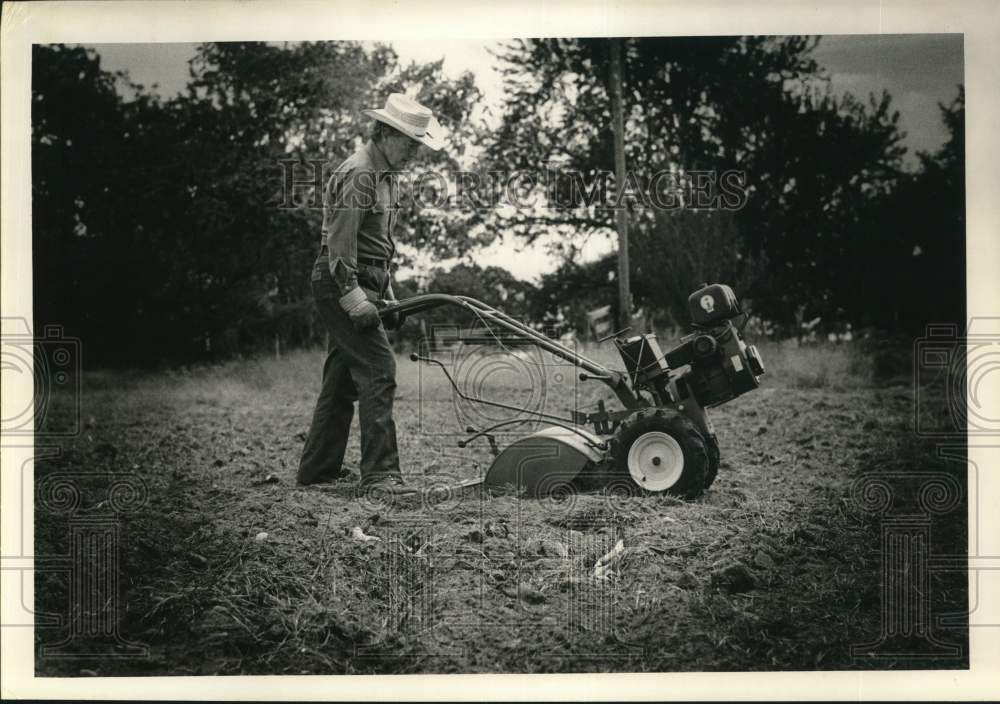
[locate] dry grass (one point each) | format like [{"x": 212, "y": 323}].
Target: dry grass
[{"x": 479, "y": 583}]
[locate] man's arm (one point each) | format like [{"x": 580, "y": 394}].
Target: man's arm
[{"x": 350, "y": 195}]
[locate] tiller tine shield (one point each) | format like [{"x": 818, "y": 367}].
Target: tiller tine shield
[{"x": 545, "y": 462}]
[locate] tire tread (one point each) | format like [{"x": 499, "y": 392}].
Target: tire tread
[{"x": 696, "y": 476}]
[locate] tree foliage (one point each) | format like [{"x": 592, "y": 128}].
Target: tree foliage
[
  {"x": 819, "y": 172},
  {"x": 164, "y": 229}
]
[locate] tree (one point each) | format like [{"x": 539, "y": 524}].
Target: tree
[
  {"x": 171, "y": 231},
  {"x": 924, "y": 279},
  {"x": 803, "y": 167},
  {"x": 85, "y": 145},
  {"x": 574, "y": 289}
]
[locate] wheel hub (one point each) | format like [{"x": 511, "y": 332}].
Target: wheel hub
[{"x": 655, "y": 461}]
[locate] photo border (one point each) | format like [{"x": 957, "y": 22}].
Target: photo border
[{"x": 174, "y": 21}]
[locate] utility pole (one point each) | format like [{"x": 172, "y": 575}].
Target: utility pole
[{"x": 621, "y": 213}]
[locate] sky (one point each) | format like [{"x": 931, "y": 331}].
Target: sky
[{"x": 919, "y": 70}]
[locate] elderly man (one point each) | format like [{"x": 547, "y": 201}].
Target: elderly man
[{"x": 350, "y": 277}]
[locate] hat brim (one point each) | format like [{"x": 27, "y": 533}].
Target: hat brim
[{"x": 432, "y": 137}]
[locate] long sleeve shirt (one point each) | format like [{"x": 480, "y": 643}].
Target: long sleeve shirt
[{"x": 359, "y": 213}]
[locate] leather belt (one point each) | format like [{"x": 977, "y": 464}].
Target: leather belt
[
  {"x": 376, "y": 262},
  {"x": 372, "y": 261}
]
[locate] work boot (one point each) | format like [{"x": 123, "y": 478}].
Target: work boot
[
  {"x": 391, "y": 484},
  {"x": 344, "y": 475}
]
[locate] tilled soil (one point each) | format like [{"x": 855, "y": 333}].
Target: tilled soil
[{"x": 226, "y": 566}]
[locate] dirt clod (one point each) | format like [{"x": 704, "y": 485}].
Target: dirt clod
[
  {"x": 362, "y": 537},
  {"x": 765, "y": 561},
  {"x": 688, "y": 581},
  {"x": 553, "y": 548},
  {"x": 733, "y": 578},
  {"x": 525, "y": 592},
  {"x": 497, "y": 529}
]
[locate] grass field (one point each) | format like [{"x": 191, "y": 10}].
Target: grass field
[{"x": 779, "y": 566}]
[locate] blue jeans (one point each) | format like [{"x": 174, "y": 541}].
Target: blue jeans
[{"x": 360, "y": 366}]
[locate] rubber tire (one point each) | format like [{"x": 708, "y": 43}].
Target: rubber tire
[
  {"x": 694, "y": 477},
  {"x": 714, "y": 458}
]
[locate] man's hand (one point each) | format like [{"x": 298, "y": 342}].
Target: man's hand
[
  {"x": 393, "y": 321},
  {"x": 362, "y": 312}
]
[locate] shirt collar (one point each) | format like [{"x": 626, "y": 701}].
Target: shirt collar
[{"x": 378, "y": 159}]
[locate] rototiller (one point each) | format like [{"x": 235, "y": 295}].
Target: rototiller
[{"x": 662, "y": 441}]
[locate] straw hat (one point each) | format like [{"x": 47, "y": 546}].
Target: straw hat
[{"x": 411, "y": 118}]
